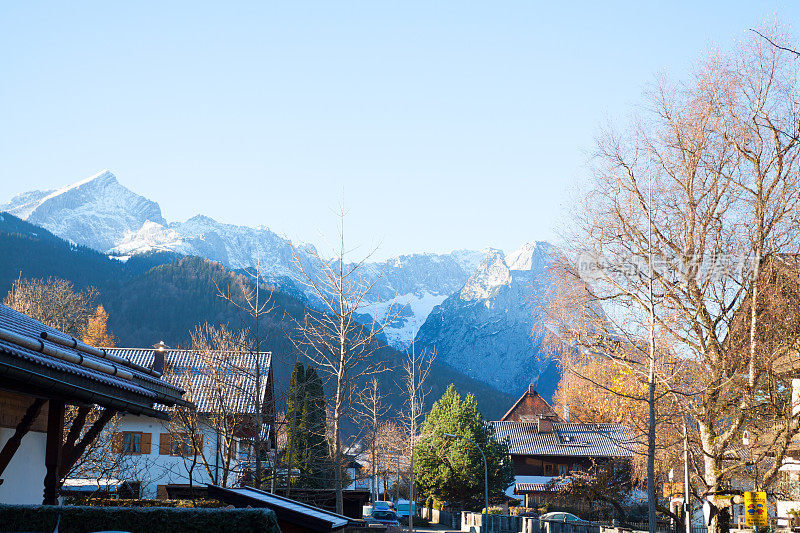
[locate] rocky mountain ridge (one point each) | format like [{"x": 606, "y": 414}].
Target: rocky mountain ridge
[
  {"x": 489, "y": 329},
  {"x": 422, "y": 292}
]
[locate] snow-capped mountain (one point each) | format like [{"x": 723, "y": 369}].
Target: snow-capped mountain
[
  {"x": 101, "y": 213},
  {"x": 97, "y": 212},
  {"x": 487, "y": 329}
]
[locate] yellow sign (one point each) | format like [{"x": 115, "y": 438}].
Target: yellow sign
[{"x": 755, "y": 508}]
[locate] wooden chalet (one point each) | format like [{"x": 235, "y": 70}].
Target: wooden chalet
[
  {"x": 544, "y": 449},
  {"x": 42, "y": 371}
]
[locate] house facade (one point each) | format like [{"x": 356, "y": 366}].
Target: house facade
[
  {"x": 213, "y": 444},
  {"x": 544, "y": 449},
  {"x": 48, "y": 378}
]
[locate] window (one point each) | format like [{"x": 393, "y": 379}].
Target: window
[
  {"x": 562, "y": 470},
  {"x": 548, "y": 469},
  {"x": 179, "y": 444},
  {"x": 132, "y": 443}
]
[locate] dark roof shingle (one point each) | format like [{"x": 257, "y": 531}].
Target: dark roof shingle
[{"x": 566, "y": 439}]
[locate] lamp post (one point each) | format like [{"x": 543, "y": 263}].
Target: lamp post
[{"x": 485, "y": 474}]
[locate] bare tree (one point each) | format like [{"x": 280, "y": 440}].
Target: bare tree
[
  {"x": 416, "y": 369},
  {"x": 371, "y": 407},
  {"x": 54, "y": 302},
  {"x": 335, "y": 335},
  {"x": 253, "y": 298},
  {"x": 724, "y": 149},
  {"x": 218, "y": 381}
]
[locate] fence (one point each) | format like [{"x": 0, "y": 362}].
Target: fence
[
  {"x": 493, "y": 523},
  {"x": 444, "y": 518}
]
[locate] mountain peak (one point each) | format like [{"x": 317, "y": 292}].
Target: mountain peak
[
  {"x": 488, "y": 278},
  {"x": 529, "y": 256},
  {"x": 96, "y": 211}
]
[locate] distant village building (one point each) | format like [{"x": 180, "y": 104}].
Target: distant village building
[
  {"x": 544, "y": 449},
  {"x": 168, "y": 457},
  {"x": 44, "y": 371}
]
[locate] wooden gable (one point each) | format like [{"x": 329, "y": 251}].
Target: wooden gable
[{"x": 530, "y": 408}]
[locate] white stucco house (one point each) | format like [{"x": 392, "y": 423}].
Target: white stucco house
[
  {"x": 47, "y": 379},
  {"x": 213, "y": 444}
]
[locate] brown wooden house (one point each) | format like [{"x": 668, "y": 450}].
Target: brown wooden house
[{"x": 544, "y": 449}]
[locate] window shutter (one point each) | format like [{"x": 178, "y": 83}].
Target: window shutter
[
  {"x": 164, "y": 444},
  {"x": 116, "y": 442},
  {"x": 145, "y": 446}
]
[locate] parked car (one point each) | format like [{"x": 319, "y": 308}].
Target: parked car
[
  {"x": 403, "y": 508},
  {"x": 381, "y": 505},
  {"x": 560, "y": 517},
  {"x": 387, "y": 518}
]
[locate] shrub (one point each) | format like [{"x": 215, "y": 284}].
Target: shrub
[
  {"x": 120, "y": 502},
  {"x": 82, "y": 519}
]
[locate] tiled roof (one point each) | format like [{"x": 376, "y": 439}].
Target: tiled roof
[
  {"x": 522, "y": 488},
  {"x": 566, "y": 439},
  {"x": 203, "y": 373},
  {"x": 13, "y": 322}
]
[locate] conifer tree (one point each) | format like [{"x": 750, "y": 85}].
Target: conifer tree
[
  {"x": 317, "y": 456},
  {"x": 306, "y": 445},
  {"x": 452, "y": 469}
]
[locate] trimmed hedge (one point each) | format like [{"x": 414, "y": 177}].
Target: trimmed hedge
[
  {"x": 80, "y": 519},
  {"x": 121, "y": 502}
]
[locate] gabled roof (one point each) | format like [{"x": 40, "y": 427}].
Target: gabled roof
[
  {"x": 36, "y": 358},
  {"x": 530, "y": 405},
  {"x": 565, "y": 440},
  {"x": 203, "y": 373}
]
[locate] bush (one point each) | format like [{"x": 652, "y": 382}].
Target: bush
[
  {"x": 119, "y": 502},
  {"x": 82, "y": 519}
]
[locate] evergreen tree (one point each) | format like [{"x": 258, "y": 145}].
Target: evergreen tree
[
  {"x": 306, "y": 446},
  {"x": 451, "y": 469},
  {"x": 317, "y": 455},
  {"x": 295, "y": 432}
]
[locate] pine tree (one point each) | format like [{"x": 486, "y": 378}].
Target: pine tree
[
  {"x": 295, "y": 432},
  {"x": 451, "y": 469},
  {"x": 96, "y": 332},
  {"x": 306, "y": 446},
  {"x": 317, "y": 456}
]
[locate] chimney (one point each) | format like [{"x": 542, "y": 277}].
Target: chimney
[
  {"x": 545, "y": 426},
  {"x": 158, "y": 357},
  {"x": 531, "y": 389},
  {"x": 566, "y": 412}
]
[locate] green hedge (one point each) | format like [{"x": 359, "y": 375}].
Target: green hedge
[
  {"x": 120, "y": 502},
  {"x": 80, "y": 519}
]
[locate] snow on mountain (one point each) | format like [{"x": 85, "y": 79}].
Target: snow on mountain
[
  {"x": 22, "y": 205},
  {"x": 488, "y": 278},
  {"x": 487, "y": 328},
  {"x": 101, "y": 213},
  {"x": 97, "y": 211}
]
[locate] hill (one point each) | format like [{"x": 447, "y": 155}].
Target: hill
[{"x": 162, "y": 296}]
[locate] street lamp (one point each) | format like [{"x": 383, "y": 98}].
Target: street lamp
[{"x": 485, "y": 472}]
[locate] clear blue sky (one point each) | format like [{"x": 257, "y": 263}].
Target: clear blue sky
[{"x": 447, "y": 124}]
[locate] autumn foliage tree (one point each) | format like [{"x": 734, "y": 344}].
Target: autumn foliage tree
[
  {"x": 96, "y": 332},
  {"x": 689, "y": 201}
]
